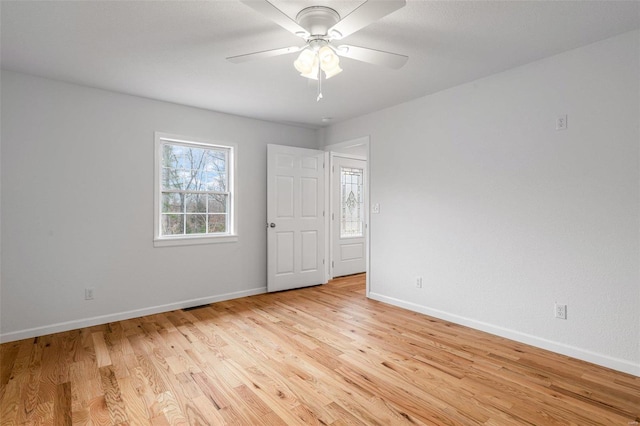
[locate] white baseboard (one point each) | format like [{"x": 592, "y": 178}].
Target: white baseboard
[
  {"x": 561, "y": 348},
  {"x": 119, "y": 316}
]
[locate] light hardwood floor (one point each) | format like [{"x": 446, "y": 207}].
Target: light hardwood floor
[{"x": 321, "y": 355}]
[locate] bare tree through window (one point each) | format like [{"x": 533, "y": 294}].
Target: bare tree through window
[{"x": 194, "y": 189}]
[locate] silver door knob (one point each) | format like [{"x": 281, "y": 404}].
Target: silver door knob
[{"x": 272, "y": 225}]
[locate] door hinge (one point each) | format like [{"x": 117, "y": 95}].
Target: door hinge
[
  {"x": 333, "y": 169},
  {"x": 333, "y": 216},
  {"x": 323, "y": 261},
  {"x": 322, "y": 213},
  {"x": 332, "y": 264}
]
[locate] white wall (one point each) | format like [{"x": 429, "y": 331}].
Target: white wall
[
  {"x": 503, "y": 215},
  {"x": 77, "y": 207}
]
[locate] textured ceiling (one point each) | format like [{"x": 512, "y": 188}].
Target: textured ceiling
[{"x": 175, "y": 50}]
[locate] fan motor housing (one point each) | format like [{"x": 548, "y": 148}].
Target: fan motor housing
[{"x": 317, "y": 19}]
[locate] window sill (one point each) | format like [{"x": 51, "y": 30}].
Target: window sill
[{"x": 190, "y": 241}]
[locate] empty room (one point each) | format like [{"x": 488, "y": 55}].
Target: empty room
[{"x": 320, "y": 212}]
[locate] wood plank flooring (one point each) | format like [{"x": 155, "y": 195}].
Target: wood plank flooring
[{"x": 324, "y": 355}]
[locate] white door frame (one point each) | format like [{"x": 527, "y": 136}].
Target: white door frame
[
  {"x": 340, "y": 267},
  {"x": 334, "y": 150}
]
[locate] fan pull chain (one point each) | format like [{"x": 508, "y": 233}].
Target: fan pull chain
[{"x": 319, "y": 85}]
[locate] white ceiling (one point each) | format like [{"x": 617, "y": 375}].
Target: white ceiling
[{"x": 175, "y": 50}]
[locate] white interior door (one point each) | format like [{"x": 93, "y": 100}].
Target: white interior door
[
  {"x": 295, "y": 217},
  {"x": 348, "y": 216}
]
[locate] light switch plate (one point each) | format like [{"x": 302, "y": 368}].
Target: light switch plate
[{"x": 561, "y": 122}]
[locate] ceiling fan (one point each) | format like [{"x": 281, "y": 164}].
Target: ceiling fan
[{"x": 321, "y": 27}]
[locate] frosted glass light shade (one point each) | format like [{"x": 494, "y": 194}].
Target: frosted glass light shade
[
  {"x": 329, "y": 62},
  {"x": 309, "y": 63},
  {"x": 328, "y": 73},
  {"x": 305, "y": 62}
]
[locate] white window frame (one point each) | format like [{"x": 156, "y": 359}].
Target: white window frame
[{"x": 231, "y": 235}]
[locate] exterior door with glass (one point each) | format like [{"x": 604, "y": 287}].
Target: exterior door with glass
[{"x": 348, "y": 216}]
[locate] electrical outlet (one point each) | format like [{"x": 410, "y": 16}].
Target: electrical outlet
[
  {"x": 419, "y": 282},
  {"x": 560, "y": 311},
  {"x": 88, "y": 293}
]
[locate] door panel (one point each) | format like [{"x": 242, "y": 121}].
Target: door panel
[
  {"x": 351, "y": 251},
  {"x": 309, "y": 251},
  {"x": 348, "y": 215},
  {"x": 284, "y": 194},
  {"x": 309, "y": 197},
  {"x": 284, "y": 248},
  {"x": 310, "y": 163},
  {"x": 295, "y": 217}
]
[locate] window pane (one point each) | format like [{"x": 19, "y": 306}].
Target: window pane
[
  {"x": 193, "y": 171},
  {"x": 170, "y": 156},
  {"x": 172, "y": 203},
  {"x": 189, "y": 179},
  {"x": 351, "y": 202},
  {"x": 196, "y": 224},
  {"x": 178, "y": 178},
  {"x": 217, "y": 203},
  {"x": 171, "y": 179},
  {"x": 215, "y": 181},
  {"x": 200, "y": 181},
  {"x": 194, "y": 158},
  {"x": 172, "y": 224},
  {"x": 195, "y": 203},
  {"x": 216, "y": 160},
  {"x": 217, "y": 223}
]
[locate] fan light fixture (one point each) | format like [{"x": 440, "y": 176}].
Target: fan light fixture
[
  {"x": 318, "y": 56},
  {"x": 313, "y": 59}
]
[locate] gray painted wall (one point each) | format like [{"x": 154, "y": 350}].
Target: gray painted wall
[
  {"x": 77, "y": 207},
  {"x": 502, "y": 215}
]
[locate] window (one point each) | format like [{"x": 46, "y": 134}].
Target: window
[
  {"x": 351, "y": 202},
  {"x": 194, "y": 199}
]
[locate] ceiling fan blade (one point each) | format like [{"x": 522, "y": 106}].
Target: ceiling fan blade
[
  {"x": 276, "y": 15},
  {"x": 372, "y": 56},
  {"x": 264, "y": 54},
  {"x": 367, "y": 13}
]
